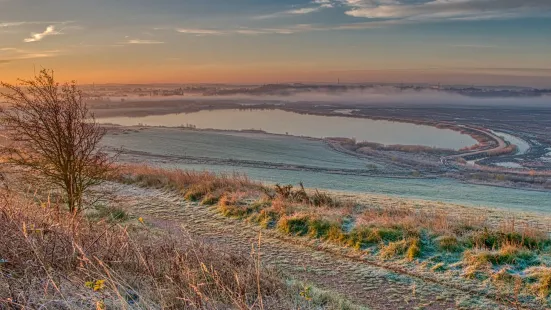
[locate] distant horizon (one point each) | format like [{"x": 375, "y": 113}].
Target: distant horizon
[
  {"x": 176, "y": 84},
  {"x": 540, "y": 82},
  {"x": 481, "y": 42}
]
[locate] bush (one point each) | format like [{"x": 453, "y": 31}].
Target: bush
[
  {"x": 231, "y": 208},
  {"x": 335, "y": 233},
  {"x": 494, "y": 239},
  {"x": 448, "y": 243},
  {"x": 210, "y": 200},
  {"x": 482, "y": 260},
  {"x": 414, "y": 250},
  {"x": 265, "y": 218},
  {"x": 194, "y": 194},
  {"x": 297, "y": 225},
  {"x": 318, "y": 228},
  {"x": 319, "y": 199},
  {"x": 393, "y": 249}
]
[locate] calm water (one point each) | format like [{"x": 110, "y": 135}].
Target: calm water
[
  {"x": 522, "y": 145},
  {"x": 282, "y": 122}
]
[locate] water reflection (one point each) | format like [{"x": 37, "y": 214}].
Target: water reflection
[{"x": 283, "y": 122}]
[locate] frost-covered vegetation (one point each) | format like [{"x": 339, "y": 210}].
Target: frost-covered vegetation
[{"x": 509, "y": 257}]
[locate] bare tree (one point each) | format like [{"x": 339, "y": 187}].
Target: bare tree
[{"x": 53, "y": 134}]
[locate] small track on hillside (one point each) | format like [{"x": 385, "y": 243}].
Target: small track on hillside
[{"x": 363, "y": 283}]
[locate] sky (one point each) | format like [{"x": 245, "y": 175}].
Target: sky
[{"x": 482, "y": 42}]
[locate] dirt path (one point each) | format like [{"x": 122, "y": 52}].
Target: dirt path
[{"x": 358, "y": 281}]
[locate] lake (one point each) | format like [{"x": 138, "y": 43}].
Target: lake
[{"x": 316, "y": 126}]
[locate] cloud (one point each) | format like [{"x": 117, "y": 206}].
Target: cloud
[
  {"x": 145, "y": 42},
  {"x": 292, "y": 29},
  {"x": 10, "y": 54},
  {"x": 200, "y": 32},
  {"x": 316, "y": 6},
  {"x": 473, "y": 46},
  {"x": 242, "y": 31},
  {"x": 11, "y": 24},
  {"x": 385, "y": 13},
  {"x": 437, "y": 10},
  {"x": 35, "y": 37},
  {"x": 324, "y": 3}
]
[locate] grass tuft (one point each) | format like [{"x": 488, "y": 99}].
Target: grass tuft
[
  {"x": 448, "y": 243},
  {"x": 542, "y": 276}
]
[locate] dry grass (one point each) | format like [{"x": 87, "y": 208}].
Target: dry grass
[
  {"x": 50, "y": 259},
  {"x": 194, "y": 185},
  {"x": 469, "y": 244},
  {"x": 542, "y": 275}
]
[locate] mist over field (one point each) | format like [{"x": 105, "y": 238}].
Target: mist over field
[
  {"x": 394, "y": 96},
  {"x": 391, "y": 96}
]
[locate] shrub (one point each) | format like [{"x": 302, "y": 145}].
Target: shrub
[
  {"x": 475, "y": 262},
  {"x": 388, "y": 234},
  {"x": 232, "y": 208},
  {"x": 481, "y": 260},
  {"x": 284, "y": 192},
  {"x": 448, "y": 243},
  {"x": 336, "y": 234},
  {"x": 318, "y": 228},
  {"x": 494, "y": 239},
  {"x": 414, "y": 250},
  {"x": 265, "y": 218},
  {"x": 393, "y": 249},
  {"x": 210, "y": 200},
  {"x": 193, "y": 194},
  {"x": 53, "y": 137},
  {"x": 319, "y": 199},
  {"x": 297, "y": 225}
]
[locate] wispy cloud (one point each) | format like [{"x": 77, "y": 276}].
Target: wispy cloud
[
  {"x": 36, "y": 22},
  {"x": 11, "y": 24},
  {"x": 292, "y": 29},
  {"x": 200, "y": 32},
  {"x": 483, "y": 46},
  {"x": 385, "y": 13},
  {"x": 11, "y": 54},
  {"x": 35, "y": 37},
  {"x": 438, "y": 10},
  {"x": 144, "y": 42},
  {"x": 238, "y": 31},
  {"x": 315, "y": 6}
]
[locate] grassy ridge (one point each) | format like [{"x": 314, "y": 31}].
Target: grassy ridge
[{"x": 515, "y": 259}]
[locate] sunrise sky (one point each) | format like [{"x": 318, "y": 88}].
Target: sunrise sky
[{"x": 263, "y": 41}]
